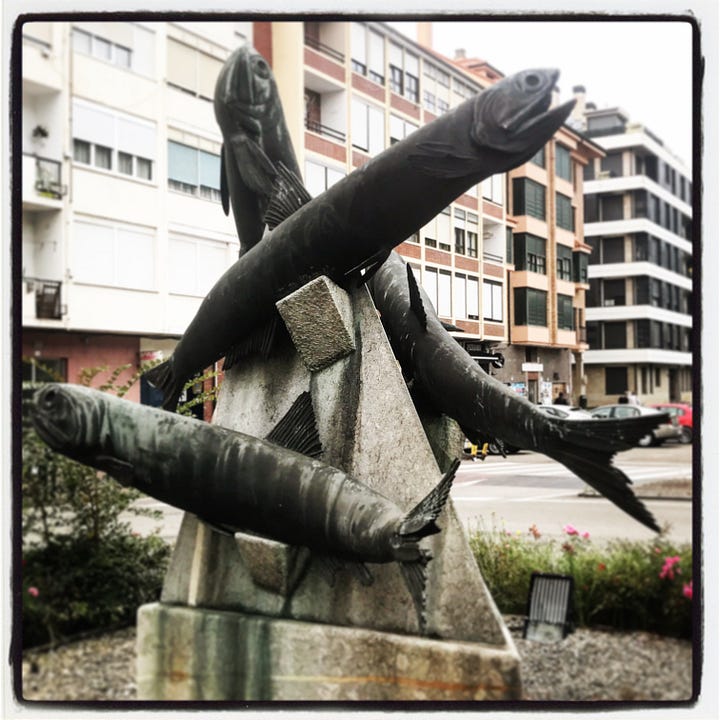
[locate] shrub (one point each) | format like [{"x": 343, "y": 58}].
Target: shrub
[{"x": 629, "y": 585}]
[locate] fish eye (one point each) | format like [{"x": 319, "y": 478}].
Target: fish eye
[
  {"x": 532, "y": 81},
  {"x": 49, "y": 397},
  {"x": 261, "y": 68}
]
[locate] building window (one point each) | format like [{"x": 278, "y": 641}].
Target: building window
[
  {"x": 530, "y": 307},
  {"x": 492, "y": 301},
  {"x": 44, "y": 369},
  {"x": 400, "y": 129},
  {"x": 528, "y": 198},
  {"x": 613, "y": 250},
  {"x": 564, "y": 262},
  {"x": 102, "y": 49},
  {"x": 318, "y": 178},
  {"x": 565, "y": 312},
  {"x": 368, "y": 127},
  {"x": 191, "y": 70},
  {"x": 530, "y": 253},
  {"x": 112, "y": 141},
  {"x": 539, "y": 157},
  {"x": 564, "y": 209},
  {"x": 444, "y": 304},
  {"x": 580, "y": 267},
  {"x": 113, "y": 255},
  {"x": 194, "y": 265},
  {"x": 404, "y": 73},
  {"x": 429, "y": 102},
  {"x": 443, "y": 106},
  {"x": 472, "y": 244},
  {"x": 368, "y": 53},
  {"x": 614, "y": 292},
  {"x": 563, "y": 163},
  {"x": 465, "y": 296},
  {"x": 193, "y": 171},
  {"x": 492, "y": 188},
  {"x": 614, "y": 335},
  {"x": 615, "y": 380}
]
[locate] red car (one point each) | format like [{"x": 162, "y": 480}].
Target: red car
[{"x": 683, "y": 413}]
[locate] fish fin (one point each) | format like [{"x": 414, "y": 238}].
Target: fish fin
[
  {"x": 416, "y": 303},
  {"x": 288, "y": 195},
  {"x": 163, "y": 377},
  {"x": 415, "y": 576},
  {"x": 261, "y": 342},
  {"x": 224, "y": 192},
  {"x": 596, "y": 469},
  {"x": 254, "y": 166},
  {"x": 329, "y": 568},
  {"x": 121, "y": 470},
  {"x": 442, "y": 160},
  {"x": 450, "y": 327},
  {"x": 218, "y": 527},
  {"x": 420, "y": 521},
  {"x": 297, "y": 429}
]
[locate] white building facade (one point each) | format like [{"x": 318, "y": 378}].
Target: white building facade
[{"x": 638, "y": 220}]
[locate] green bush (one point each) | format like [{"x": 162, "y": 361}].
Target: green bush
[{"x": 623, "y": 584}]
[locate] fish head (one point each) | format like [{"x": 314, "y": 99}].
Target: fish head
[
  {"x": 245, "y": 90},
  {"x": 67, "y": 417},
  {"x": 514, "y": 116}
]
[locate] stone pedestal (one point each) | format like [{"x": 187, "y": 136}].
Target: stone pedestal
[{"x": 262, "y": 614}]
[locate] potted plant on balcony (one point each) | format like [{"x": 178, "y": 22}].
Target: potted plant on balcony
[{"x": 39, "y": 135}]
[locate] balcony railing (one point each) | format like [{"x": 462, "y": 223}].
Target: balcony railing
[
  {"x": 47, "y": 297},
  {"x": 581, "y": 334},
  {"x": 493, "y": 257},
  {"x": 324, "y": 49},
  {"x": 320, "y": 129},
  {"x": 48, "y": 178}
]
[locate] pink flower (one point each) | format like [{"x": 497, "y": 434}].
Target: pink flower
[
  {"x": 33, "y": 591},
  {"x": 585, "y": 535},
  {"x": 668, "y": 569},
  {"x": 687, "y": 590},
  {"x": 570, "y": 530}
]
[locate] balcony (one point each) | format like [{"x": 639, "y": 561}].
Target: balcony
[
  {"x": 47, "y": 297},
  {"x": 42, "y": 183},
  {"x": 324, "y": 130},
  {"x": 315, "y": 44}
]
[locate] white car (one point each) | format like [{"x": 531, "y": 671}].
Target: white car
[{"x": 566, "y": 412}]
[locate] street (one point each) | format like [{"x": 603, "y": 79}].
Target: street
[{"x": 528, "y": 488}]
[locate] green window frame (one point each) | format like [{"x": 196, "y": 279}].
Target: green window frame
[
  {"x": 528, "y": 198},
  {"x": 563, "y": 262},
  {"x": 530, "y": 253},
  {"x": 564, "y": 215},
  {"x": 565, "y": 312},
  {"x": 530, "y": 307},
  {"x": 563, "y": 163}
]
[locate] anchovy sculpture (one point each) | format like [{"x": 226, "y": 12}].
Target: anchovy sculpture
[
  {"x": 445, "y": 377},
  {"x": 347, "y": 232},
  {"x": 235, "y": 482},
  {"x": 255, "y": 138}
]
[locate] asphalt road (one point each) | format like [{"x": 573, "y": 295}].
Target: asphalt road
[{"x": 527, "y": 488}]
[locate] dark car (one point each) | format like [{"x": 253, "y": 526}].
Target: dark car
[
  {"x": 664, "y": 431},
  {"x": 684, "y": 414}
]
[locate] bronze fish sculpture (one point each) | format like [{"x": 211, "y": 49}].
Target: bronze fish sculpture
[
  {"x": 347, "y": 232},
  {"x": 255, "y": 138},
  {"x": 447, "y": 379},
  {"x": 234, "y": 482}
]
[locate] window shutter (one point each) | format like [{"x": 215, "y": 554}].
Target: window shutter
[
  {"x": 93, "y": 125},
  {"x": 182, "y": 163},
  {"x": 136, "y": 138},
  {"x": 208, "y": 71},
  {"x": 209, "y": 170},
  {"x": 182, "y": 65}
]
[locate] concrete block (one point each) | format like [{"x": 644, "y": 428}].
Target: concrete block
[{"x": 319, "y": 318}]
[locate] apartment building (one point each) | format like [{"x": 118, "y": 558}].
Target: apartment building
[
  {"x": 123, "y": 233},
  {"x": 638, "y": 221},
  {"x": 547, "y": 264}
]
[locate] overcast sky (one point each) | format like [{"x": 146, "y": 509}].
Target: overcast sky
[{"x": 643, "y": 67}]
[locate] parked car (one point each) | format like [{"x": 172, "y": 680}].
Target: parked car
[
  {"x": 566, "y": 412},
  {"x": 664, "y": 431},
  {"x": 684, "y": 414},
  {"x": 473, "y": 451}
]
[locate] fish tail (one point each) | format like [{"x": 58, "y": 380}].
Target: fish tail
[
  {"x": 163, "y": 378},
  {"x": 420, "y": 521},
  {"x": 596, "y": 469},
  {"x": 608, "y": 434}
]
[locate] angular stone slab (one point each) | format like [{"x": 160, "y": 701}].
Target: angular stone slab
[
  {"x": 201, "y": 654},
  {"x": 319, "y": 318}
]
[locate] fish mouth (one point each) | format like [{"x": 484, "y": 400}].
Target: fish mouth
[{"x": 48, "y": 405}]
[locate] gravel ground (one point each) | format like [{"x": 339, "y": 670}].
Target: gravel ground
[{"x": 587, "y": 665}]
